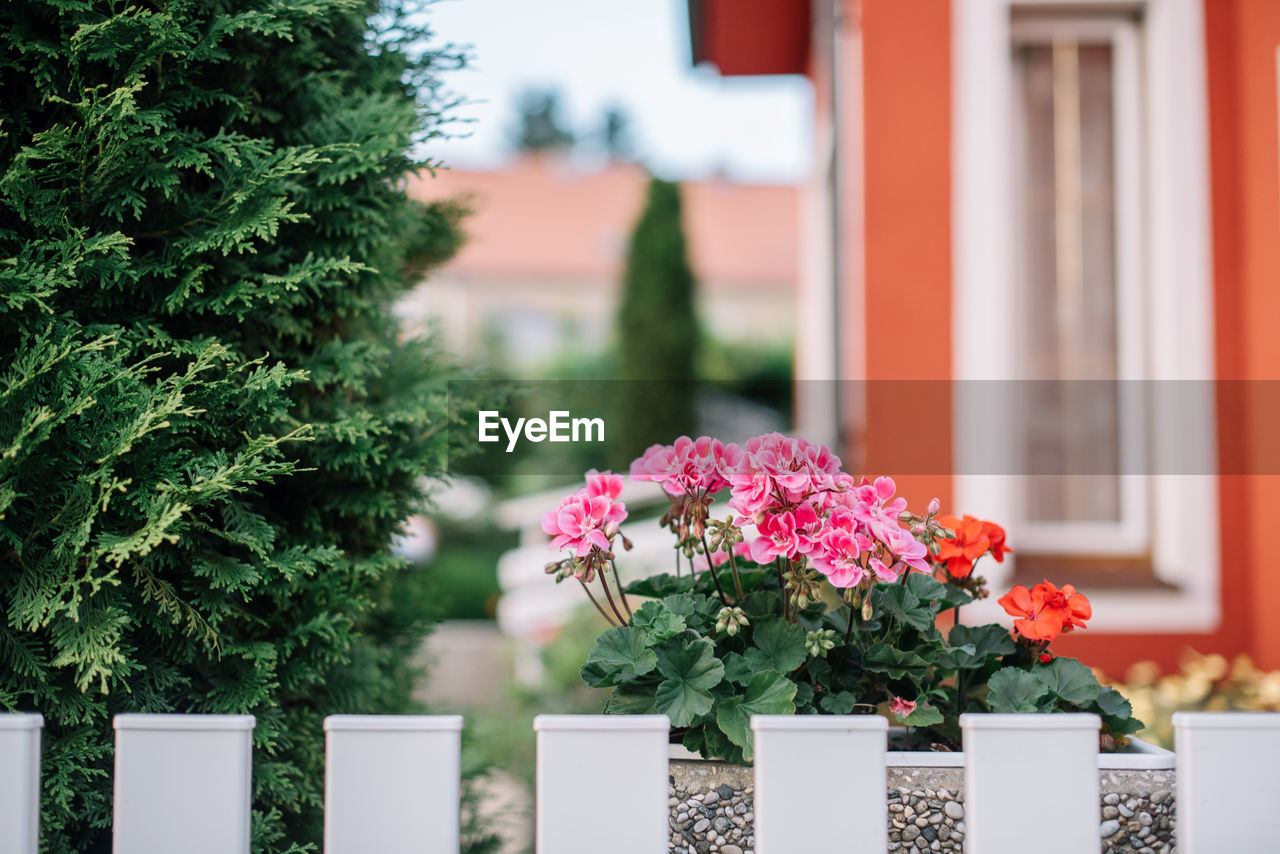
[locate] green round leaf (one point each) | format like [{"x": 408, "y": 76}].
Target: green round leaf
[
  {"x": 894, "y": 662},
  {"x": 1069, "y": 681},
  {"x": 988, "y": 640},
  {"x": 768, "y": 693},
  {"x": 778, "y": 646},
  {"x": 632, "y": 699},
  {"x": 657, "y": 622},
  {"x": 1014, "y": 690},
  {"x": 692, "y": 670},
  {"x": 923, "y": 715},
  {"x": 620, "y": 655}
]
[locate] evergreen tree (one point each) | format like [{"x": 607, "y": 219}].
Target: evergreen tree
[
  {"x": 209, "y": 429},
  {"x": 539, "y": 127},
  {"x": 657, "y": 332},
  {"x": 618, "y": 145}
]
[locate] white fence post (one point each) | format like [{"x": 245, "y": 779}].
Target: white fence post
[
  {"x": 1228, "y": 781},
  {"x": 602, "y": 784},
  {"x": 1031, "y": 783},
  {"x": 20, "y": 782},
  {"x": 820, "y": 783},
  {"x": 183, "y": 783},
  {"x": 391, "y": 784}
]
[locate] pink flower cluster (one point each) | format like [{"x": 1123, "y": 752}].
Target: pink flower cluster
[
  {"x": 589, "y": 518},
  {"x": 770, "y": 471},
  {"x": 794, "y": 491},
  {"x": 802, "y": 503},
  {"x": 688, "y": 466},
  {"x": 777, "y": 473},
  {"x": 856, "y": 531}
]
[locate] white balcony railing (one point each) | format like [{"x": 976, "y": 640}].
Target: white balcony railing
[{"x": 182, "y": 784}]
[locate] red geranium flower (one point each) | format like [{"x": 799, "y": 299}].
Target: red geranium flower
[
  {"x": 973, "y": 539},
  {"x": 1044, "y": 611}
]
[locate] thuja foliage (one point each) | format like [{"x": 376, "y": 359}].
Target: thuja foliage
[
  {"x": 657, "y": 330},
  {"x": 209, "y": 430}
]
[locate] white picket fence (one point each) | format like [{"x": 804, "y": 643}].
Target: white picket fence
[{"x": 182, "y": 784}]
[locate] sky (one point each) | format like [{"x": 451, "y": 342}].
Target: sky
[{"x": 685, "y": 122}]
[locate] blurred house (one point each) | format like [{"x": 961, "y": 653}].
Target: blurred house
[
  {"x": 540, "y": 275},
  {"x": 1041, "y": 251}
]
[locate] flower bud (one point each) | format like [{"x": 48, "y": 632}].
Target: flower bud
[
  {"x": 934, "y": 506},
  {"x": 730, "y": 620},
  {"x": 818, "y": 643},
  {"x": 561, "y": 568}
]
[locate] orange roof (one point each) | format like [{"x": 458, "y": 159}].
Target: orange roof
[{"x": 540, "y": 217}]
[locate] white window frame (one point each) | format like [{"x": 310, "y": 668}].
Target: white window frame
[
  {"x": 1130, "y": 535},
  {"x": 1175, "y": 251}
]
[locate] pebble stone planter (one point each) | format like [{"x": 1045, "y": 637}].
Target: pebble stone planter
[{"x": 711, "y": 803}]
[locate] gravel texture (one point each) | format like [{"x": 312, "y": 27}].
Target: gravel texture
[{"x": 712, "y": 810}]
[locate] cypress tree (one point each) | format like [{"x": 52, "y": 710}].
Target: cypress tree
[
  {"x": 209, "y": 428},
  {"x": 657, "y": 331}
]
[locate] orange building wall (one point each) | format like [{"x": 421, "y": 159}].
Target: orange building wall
[
  {"x": 906, "y": 67},
  {"x": 1243, "y": 37},
  {"x": 906, "y": 47}
]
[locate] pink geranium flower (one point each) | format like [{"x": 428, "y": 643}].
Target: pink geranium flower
[
  {"x": 840, "y": 557},
  {"x": 584, "y": 521},
  {"x": 890, "y": 572},
  {"x": 781, "y": 472},
  {"x": 901, "y": 708},
  {"x": 907, "y": 549},
  {"x": 725, "y": 456},
  {"x": 872, "y": 505},
  {"x": 687, "y": 466},
  {"x": 659, "y": 465},
  {"x": 778, "y": 538},
  {"x": 809, "y": 528},
  {"x": 606, "y": 483}
]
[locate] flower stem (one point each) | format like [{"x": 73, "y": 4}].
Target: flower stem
[
  {"x": 711, "y": 570},
  {"x": 626, "y": 606},
  {"x": 737, "y": 584},
  {"x": 848, "y": 633},
  {"x": 605, "y": 584},
  {"x": 782, "y": 585},
  {"x": 603, "y": 613},
  {"x": 733, "y": 567}
]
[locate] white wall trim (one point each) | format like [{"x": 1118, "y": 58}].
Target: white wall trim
[{"x": 1178, "y": 278}]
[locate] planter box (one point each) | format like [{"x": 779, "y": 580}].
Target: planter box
[{"x": 713, "y": 801}]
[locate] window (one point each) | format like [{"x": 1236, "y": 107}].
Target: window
[
  {"x": 1079, "y": 285},
  {"x": 1080, "y": 235}
]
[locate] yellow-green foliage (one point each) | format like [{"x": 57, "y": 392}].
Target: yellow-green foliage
[{"x": 1202, "y": 683}]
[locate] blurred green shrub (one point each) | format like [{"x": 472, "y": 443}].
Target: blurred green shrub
[{"x": 463, "y": 573}]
